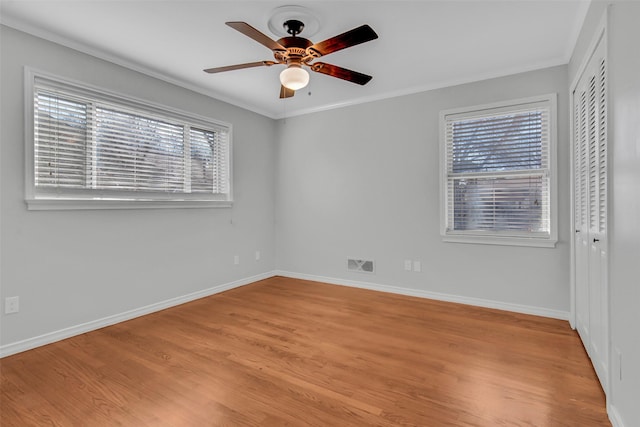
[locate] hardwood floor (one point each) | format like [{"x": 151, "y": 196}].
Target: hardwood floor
[{"x": 285, "y": 352}]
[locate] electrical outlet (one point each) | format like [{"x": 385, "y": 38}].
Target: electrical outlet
[
  {"x": 417, "y": 266},
  {"x": 257, "y": 255},
  {"x": 11, "y": 305},
  {"x": 236, "y": 259},
  {"x": 407, "y": 264}
]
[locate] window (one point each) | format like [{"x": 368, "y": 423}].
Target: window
[
  {"x": 88, "y": 148},
  {"x": 498, "y": 173}
]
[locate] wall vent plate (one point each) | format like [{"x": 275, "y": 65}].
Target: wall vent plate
[{"x": 361, "y": 265}]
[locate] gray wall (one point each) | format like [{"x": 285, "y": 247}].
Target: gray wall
[
  {"x": 74, "y": 267},
  {"x": 624, "y": 198},
  {"x": 363, "y": 182}
]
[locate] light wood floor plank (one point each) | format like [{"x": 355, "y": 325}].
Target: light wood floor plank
[{"x": 286, "y": 352}]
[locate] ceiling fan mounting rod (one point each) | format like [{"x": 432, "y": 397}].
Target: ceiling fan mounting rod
[{"x": 293, "y": 27}]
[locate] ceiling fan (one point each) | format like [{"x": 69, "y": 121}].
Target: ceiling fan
[{"x": 296, "y": 52}]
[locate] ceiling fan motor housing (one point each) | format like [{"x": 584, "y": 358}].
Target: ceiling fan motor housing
[{"x": 296, "y": 49}]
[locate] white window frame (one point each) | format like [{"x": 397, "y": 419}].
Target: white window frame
[
  {"x": 496, "y": 238},
  {"x": 37, "y": 199}
]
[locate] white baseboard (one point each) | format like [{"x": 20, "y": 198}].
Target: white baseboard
[
  {"x": 499, "y": 305},
  {"x": 614, "y": 416},
  {"x": 51, "y": 337}
]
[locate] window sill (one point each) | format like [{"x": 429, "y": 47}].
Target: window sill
[
  {"x": 504, "y": 241},
  {"x": 91, "y": 204}
]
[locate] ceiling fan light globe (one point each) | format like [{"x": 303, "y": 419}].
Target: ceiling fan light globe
[{"x": 294, "y": 78}]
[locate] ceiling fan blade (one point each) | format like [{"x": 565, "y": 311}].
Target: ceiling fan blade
[
  {"x": 353, "y": 37},
  {"x": 285, "y": 92},
  {"x": 239, "y": 66},
  {"x": 251, "y": 32},
  {"x": 341, "y": 73}
]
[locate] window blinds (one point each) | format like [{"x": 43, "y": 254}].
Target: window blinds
[
  {"x": 61, "y": 135},
  {"x": 208, "y": 161},
  {"x": 84, "y": 143},
  {"x": 498, "y": 172}
]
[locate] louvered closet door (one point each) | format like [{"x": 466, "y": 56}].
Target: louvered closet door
[
  {"x": 590, "y": 208},
  {"x": 581, "y": 210}
]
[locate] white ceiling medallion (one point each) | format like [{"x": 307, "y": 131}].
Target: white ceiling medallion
[{"x": 282, "y": 14}]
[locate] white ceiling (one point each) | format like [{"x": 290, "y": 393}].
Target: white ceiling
[{"x": 422, "y": 44}]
